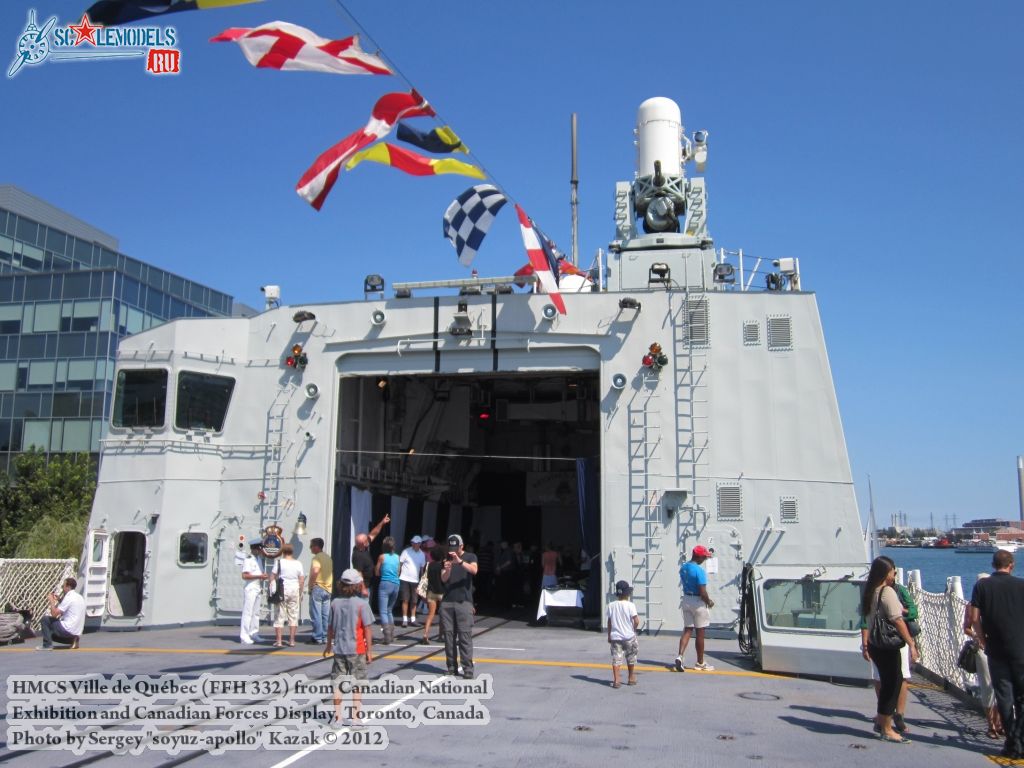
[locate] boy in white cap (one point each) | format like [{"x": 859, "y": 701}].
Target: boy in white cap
[
  {"x": 623, "y": 622},
  {"x": 349, "y": 637}
]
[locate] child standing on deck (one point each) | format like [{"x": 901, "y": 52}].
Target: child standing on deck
[
  {"x": 623, "y": 622},
  {"x": 349, "y": 639}
]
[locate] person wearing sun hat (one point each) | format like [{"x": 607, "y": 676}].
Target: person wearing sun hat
[
  {"x": 411, "y": 563},
  {"x": 696, "y": 606}
]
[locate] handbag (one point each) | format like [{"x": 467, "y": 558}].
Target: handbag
[
  {"x": 421, "y": 588},
  {"x": 968, "y": 658},
  {"x": 277, "y": 595},
  {"x": 883, "y": 634}
]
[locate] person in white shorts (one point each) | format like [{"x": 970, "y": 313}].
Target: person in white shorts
[{"x": 696, "y": 606}]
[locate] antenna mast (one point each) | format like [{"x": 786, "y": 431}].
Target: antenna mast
[{"x": 574, "y": 183}]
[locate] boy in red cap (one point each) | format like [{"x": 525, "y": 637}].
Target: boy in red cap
[{"x": 696, "y": 606}]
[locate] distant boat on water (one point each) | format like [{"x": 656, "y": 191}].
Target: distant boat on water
[{"x": 982, "y": 546}]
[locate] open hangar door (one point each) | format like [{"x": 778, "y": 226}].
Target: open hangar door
[{"x": 494, "y": 457}]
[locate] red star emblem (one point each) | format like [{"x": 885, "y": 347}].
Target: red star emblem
[{"x": 85, "y": 30}]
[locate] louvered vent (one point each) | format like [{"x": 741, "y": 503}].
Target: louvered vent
[
  {"x": 788, "y": 509},
  {"x": 730, "y": 502},
  {"x": 780, "y": 332},
  {"x": 697, "y": 321},
  {"x": 751, "y": 333}
]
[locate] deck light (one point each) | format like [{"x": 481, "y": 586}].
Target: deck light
[
  {"x": 303, "y": 315},
  {"x": 297, "y": 359},
  {"x": 373, "y": 284},
  {"x": 300, "y": 525},
  {"x": 659, "y": 273},
  {"x": 629, "y": 303},
  {"x": 655, "y": 359}
]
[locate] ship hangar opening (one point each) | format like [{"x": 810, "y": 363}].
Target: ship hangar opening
[{"x": 497, "y": 458}]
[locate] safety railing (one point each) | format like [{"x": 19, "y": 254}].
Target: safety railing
[{"x": 941, "y": 616}]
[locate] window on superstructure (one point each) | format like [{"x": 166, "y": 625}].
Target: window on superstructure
[
  {"x": 202, "y": 401},
  {"x": 809, "y": 603},
  {"x": 140, "y": 398},
  {"x": 193, "y": 548}
]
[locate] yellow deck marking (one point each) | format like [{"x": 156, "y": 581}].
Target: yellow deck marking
[{"x": 263, "y": 652}]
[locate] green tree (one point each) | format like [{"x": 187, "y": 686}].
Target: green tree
[{"x": 44, "y": 506}]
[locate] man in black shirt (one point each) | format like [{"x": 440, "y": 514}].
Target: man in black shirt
[
  {"x": 362, "y": 560},
  {"x": 997, "y": 614},
  {"x": 457, "y": 607}
]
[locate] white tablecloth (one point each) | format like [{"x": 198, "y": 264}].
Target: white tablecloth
[{"x": 562, "y": 598}]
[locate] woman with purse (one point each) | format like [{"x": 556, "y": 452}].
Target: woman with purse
[
  {"x": 387, "y": 570},
  {"x": 434, "y": 587},
  {"x": 292, "y": 576},
  {"x": 884, "y": 634}
]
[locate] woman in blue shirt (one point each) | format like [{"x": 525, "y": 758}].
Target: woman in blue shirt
[{"x": 387, "y": 593}]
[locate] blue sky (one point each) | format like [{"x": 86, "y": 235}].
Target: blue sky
[{"x": 879, "y": 142}]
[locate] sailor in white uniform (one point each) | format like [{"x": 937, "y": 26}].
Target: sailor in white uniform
[{"x": 253, "y": 576}]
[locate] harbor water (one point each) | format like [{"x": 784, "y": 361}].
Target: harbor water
[{"x": 937, "y": 564}]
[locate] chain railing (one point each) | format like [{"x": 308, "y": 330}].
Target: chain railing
[{"x": 24, "y": 584}]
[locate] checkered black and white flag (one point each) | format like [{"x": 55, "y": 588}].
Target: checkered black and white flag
[{"x": 469, "y": 217}]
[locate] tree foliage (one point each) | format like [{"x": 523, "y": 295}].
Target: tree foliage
[{"x": 44, "y": 506}]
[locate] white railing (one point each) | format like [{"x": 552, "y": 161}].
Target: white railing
[
  {"x": 24, "y": 584},
  {"x": 942, "y": 635}
]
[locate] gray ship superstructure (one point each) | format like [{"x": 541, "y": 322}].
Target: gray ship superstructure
[{"x": 491, "y": 414}]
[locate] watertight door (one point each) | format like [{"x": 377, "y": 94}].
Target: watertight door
[{"x": 97, "y": 572}]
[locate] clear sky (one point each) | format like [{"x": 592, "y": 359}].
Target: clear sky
[{"x": 879, "y": 142}]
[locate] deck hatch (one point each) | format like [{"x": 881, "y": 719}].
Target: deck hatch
[
  {"x": 780, "y": 332},
  {"x": 730, "y": 502}
]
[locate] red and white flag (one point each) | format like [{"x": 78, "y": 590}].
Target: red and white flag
[
  {"x": 541, "y": 258},
  {"x": 281, "y": 45},
  {"x": 319, "y": 178}
]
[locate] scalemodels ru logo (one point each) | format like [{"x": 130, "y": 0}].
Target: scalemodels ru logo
[{"x": 85, "y": 41}]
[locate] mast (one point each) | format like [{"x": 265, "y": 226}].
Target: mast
[{"x": 574, "y": 202}]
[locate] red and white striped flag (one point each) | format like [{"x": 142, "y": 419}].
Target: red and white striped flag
[
  {"x": 281, "y": 45},
  {"x": 319, "y": 178},
  {"x": 541, "y": 259}
]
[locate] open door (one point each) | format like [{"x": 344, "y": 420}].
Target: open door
[
  {"x": 97, "y": 572},
  {"x": 127, "y": 575}
]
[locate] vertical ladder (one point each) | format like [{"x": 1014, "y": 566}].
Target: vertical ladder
[
  {"x": 645, "y": 524},
  {"x": 689, "y": 357},
  {"x": 274, "y": 461}
]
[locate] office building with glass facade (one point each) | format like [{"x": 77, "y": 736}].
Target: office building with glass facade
[{"x": 67, "y": 296}]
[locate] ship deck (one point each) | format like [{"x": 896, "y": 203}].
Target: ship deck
[{"x": 552, "y": 704}]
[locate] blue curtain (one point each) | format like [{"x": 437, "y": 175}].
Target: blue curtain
[{"x": 589, "y": 494}]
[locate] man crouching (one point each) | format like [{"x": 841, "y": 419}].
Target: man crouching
[{"x": 349, "y": 638}]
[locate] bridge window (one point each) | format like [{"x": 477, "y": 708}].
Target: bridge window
[
  {"x": 812, "y": 604},
  {"x": 140, "y": 399},
  {"x": 193, "y": 548},
  {"x": 202, "y": 401}
]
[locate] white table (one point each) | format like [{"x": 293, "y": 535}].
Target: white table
[{"x": 561, "y": 598}]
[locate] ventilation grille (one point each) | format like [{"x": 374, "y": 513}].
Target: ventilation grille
[
  {"x": 697, "y": 321},
  {"x": 730, "y": 502},
  {"x": 788, "y": 509},
  {"x": 751, "y": 333},
  {"x": 780, "y": 332}
]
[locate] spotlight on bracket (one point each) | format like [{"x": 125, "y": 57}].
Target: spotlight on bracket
[
  {"x": 378, "y": 317},
  {"x": 403, "y": 293},
  {"x": 619, "y": 381},
  {"x": 312, "y": 391},
  {"x": 550, "y": 312},
  {"x": 629, "y": 303},
  {"x": 659, "y": 274},
  {"x": 303, "y": 315}
]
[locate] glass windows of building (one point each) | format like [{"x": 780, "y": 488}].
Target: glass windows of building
[{"x": 65, "y": 302}]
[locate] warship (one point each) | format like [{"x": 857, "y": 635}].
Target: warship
[{"x": 684, "y": 396}]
